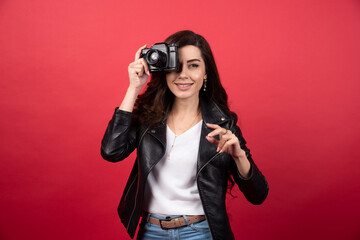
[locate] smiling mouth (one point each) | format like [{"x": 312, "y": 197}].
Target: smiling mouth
[{"x": 183, "y": 84}]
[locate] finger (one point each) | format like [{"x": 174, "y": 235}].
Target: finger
[
  {"x": 139, "y": 72},
  {"x": 214, "y": 126},
  {"x": 223, "y": 140},
  {"x": 136, "y": 67},
  {"x": 141, "y": 63},
  {"x": 146, "y": 67},
  {"x": 212, "y": 140},
  {"x": 132, "y": 70},
  {"x": 219, "y": 131},
  {"x": 139, "y": 66},
  {"x": 227, "y": 145},
  {"x": 135, "y": 64},
  {"x": 131, "y": 65},
  {"x": 137, "y": 54}
]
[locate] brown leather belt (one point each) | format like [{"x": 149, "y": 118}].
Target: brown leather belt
[{"x": 169, "y": 223}]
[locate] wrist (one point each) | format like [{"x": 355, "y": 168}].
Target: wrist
[
  {"x": 243, "y": 165},
  {"x": 241, "y": 156},
  {"x": 129, "y": 99},
  {"x": 134, "y": 90}
]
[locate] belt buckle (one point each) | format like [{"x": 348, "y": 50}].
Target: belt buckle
[{"x": 165, "y": 220}]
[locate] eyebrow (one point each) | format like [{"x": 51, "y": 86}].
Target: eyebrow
[{"x": 192, "y": 60}]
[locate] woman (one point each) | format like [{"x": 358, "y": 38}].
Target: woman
[{"x": 188, "y": 148}]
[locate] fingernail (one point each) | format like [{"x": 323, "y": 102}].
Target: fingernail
[
  {"x": 209, "y": 135},
  {"x": 148, "y": 73},
  {"x": 217, "y": 149},
  {"x": 221, "y": 151}
]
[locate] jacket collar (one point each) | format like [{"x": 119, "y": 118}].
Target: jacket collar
[{"x": 211, "y": 113}]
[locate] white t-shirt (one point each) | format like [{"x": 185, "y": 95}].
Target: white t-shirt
[{"x": 171, "y": 185}]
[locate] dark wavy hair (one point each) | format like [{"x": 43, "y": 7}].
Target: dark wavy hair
[{"x": 151, "y": 106}]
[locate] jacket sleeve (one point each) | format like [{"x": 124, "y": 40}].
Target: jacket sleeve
[
  {"x": 255, "y": 188},
  {"x": 120, "y": 137}
]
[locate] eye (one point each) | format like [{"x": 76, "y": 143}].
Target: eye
[{"x": 194, "y": 65}]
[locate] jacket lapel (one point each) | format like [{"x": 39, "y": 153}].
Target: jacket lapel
[
  {"x": 211, "y": 113},
  {"x": 156, "y": 147}
]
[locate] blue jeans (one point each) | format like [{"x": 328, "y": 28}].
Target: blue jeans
[{"x": 194, "y": 231}]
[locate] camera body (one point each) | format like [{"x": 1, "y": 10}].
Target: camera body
[{"x": 161, "y": 57}]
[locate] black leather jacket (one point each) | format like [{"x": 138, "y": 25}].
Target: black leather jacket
[{"x": 213, "y": 168}]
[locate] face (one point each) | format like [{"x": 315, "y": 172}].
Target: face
[{"x": 187, "y": 83}]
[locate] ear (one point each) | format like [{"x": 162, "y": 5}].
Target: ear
[{"x": 205, "y": 77}]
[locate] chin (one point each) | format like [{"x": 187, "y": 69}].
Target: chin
[{"x": 186, "y": 95}]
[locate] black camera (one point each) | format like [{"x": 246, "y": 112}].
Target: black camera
[{"x": 161, "y": 57}]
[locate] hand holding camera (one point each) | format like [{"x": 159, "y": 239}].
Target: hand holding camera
[
  {"x": 160, "y": 57},
  {"x": 138, "y": 71}
]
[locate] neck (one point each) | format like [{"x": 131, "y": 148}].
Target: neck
[
  {"x": 183, "y": 115},
  {"x": 185, "y": 107}
]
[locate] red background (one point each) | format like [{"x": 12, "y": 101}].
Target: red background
[{"x": 291, "y": 69}]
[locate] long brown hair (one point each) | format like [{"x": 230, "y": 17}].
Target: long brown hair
[{"x": 150, "y": 107}]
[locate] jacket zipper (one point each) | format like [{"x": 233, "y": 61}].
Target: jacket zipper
[
  {"x": 137, "y": 187},
  {"x": 197, "y": 177},
  {"x": 130, "y": 186}
]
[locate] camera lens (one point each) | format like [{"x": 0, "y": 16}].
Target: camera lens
[
  {"x": 153, "y": 57},
  {"x": 156, "y": 58}
]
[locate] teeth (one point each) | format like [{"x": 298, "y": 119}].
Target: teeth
[{"x": 183, "y": 85}]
